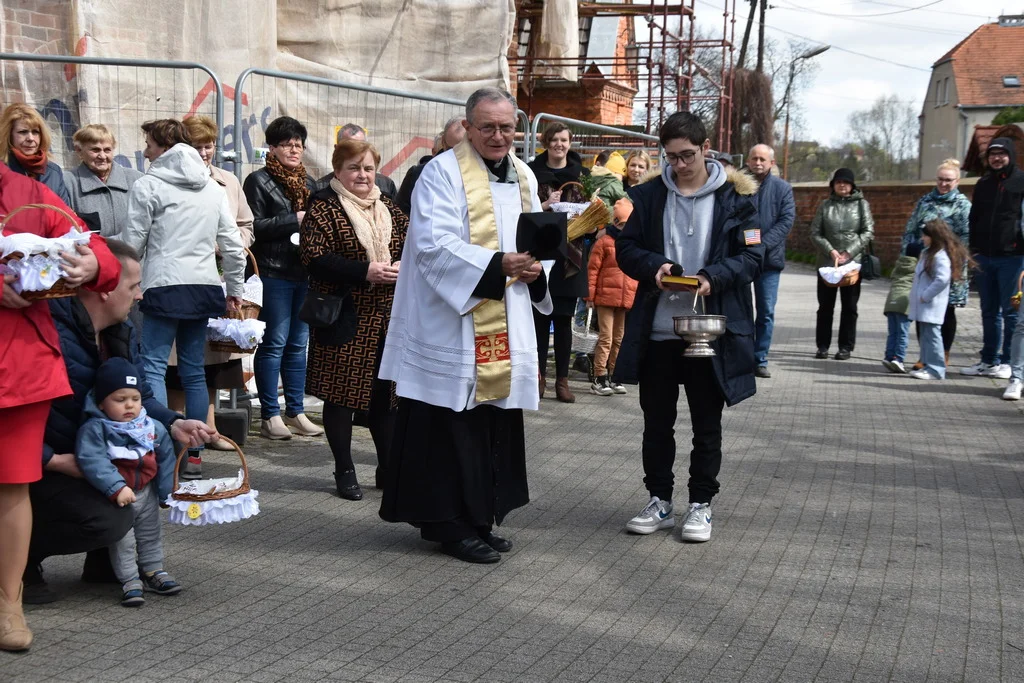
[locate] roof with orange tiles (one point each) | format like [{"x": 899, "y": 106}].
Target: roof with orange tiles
[{"x": 982, "y": 59}]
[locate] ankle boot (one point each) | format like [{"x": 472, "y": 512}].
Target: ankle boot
[
  {"x": 542, "y": 384},
  {"x": 562, "y": 391},
  {"x": 348, "y": 486},
  {"x": 14, "y": 633}
]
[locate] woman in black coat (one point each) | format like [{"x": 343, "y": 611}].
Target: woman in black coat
[{"x": 555, "y": 167}]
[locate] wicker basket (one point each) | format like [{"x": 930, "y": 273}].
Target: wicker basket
[
  {"x": 60, "y": 288},
  {"x": 848, "y": 280},
  {"x": 583, "y": 338},
  {"x": 192, "y": 509},
  {"x": 249, "y": 311}
]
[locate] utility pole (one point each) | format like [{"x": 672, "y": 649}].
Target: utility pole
[
  {"x": 760, "y": 37},
  {"x": 813, "y": 52}
]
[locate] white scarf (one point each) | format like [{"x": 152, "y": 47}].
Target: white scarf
[{"x": 370, "y": 219}]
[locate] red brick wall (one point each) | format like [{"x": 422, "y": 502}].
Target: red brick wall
[
  {"x": 36, "y": 26},
  {"x": 891, "y": 206}
]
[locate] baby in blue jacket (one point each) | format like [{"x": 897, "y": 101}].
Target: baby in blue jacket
[{"x": 129, "y": 457}]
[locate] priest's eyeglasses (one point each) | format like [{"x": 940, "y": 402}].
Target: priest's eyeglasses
[
  {"x": 490, "y": 130},
  {"x": 686, "y": 157}
]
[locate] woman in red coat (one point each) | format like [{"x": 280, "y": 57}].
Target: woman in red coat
[
  {"x": 32, "y": 374},
  {"x": 612, "y": 293}
]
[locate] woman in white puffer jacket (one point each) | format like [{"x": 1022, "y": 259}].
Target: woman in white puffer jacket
[{"x": 178, "y": 218}]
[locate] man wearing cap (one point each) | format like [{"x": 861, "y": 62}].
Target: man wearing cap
[
  {"x": 776, "y": 212},
  {"x": 997, "y": 245},
  {"x": 461, "y": 347}
]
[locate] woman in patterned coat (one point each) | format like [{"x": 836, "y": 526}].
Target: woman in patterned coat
[
  {"x": 350, "y": 241},
  {"x": 948, "y": 204}
]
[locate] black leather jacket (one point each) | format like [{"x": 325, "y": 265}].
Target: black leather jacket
[{"x": 273, "y": 225}]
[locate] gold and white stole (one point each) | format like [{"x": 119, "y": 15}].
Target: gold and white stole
[{"x": 490, "y": 321}]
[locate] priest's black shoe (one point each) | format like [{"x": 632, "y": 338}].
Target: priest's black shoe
[
  {"x": 348, "y": 486},
  {"x": 471, "y": 550},
  {"x": 500, "y": 544}
]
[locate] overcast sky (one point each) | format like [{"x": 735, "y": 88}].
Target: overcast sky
[{"x": 847, "y": 82}]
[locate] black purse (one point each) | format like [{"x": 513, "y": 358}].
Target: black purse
[
  {"x": 332, "y": 316},
  {"x": 870, "y": 266}
]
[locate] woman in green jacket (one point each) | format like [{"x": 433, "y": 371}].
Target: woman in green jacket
[{"x": 841, "y": 230}]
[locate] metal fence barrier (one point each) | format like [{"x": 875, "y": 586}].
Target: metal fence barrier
[
  {"x": 120, "y": 93},
  {"x": 402, "y": 125},
  {"x": 595, "y": 137}
]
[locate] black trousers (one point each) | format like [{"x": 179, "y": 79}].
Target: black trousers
[
  {"x": 662, "y": 370},
  {"x": 70, "y": 516},
  {"x": 849, "y": 296},
  {"x": 380, "y": 420},
  {"x": 563, "y": 341}
]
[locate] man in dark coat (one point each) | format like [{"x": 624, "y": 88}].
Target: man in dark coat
[
  {"x": 70, "y": 516},
  {"x": 997, "y": 245},
  {"x": 351, "y": 131},
  {"x": 776, "y": 212},
  {"x": 451, "y": 135},
  {"x": 695, "y": 217}
]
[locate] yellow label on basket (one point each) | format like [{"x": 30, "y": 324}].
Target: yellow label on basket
[{"x": 194, "y": 511}]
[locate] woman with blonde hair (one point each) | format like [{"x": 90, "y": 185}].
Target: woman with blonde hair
[
  {"x": 25, "y": 146},
  {"x": 638, "y": 164},
  {"x": 351, "y": 242},
  {"x": 945, "y": 202},
  {"x": 99, "y": 186}
]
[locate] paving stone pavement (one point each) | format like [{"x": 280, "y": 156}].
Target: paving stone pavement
[{"x": 867, "y": 530}]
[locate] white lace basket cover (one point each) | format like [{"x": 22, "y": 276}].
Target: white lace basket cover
[
  {"x": 834, "y": 274},
  {"x": 213, "y": 501}
]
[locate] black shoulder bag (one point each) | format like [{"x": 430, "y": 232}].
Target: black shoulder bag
[
  {"x": 870, "y": 266},
  {"x": 332, "y": 316}
]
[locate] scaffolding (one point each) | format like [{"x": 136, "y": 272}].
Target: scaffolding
[{"x": 667, "y": 68}]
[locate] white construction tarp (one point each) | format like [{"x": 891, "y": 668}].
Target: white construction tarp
[
  {"x": 559, "y": 40},
  {"x": 445, "y": 48}
]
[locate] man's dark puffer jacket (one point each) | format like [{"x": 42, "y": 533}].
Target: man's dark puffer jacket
[{"x": 82, "y": 359}]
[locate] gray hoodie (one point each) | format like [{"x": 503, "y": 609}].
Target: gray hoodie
[{"x": 687, "y": 227}]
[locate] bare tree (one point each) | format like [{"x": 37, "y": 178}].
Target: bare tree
[{"x": 888, "y": 134}]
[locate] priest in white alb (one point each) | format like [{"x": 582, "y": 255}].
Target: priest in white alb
[{"x": 461, "y": 347}]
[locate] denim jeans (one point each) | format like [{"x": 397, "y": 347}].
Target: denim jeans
[
  {"x": 283, "y": 351},
  {"x": 899, "y": 335},
  {"x": 996, "y": 278},
  {"x": 932, "y": 354},
  {"x": 1017, "y": 351},
  {"x": 766, "y": 293},
  {"x": 158, "y": 334}
]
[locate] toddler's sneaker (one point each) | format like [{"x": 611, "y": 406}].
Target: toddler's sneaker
[
  {"x": 921, "y": 374},
  {"x": 697, "y": 527},
  {"x": 162, "y": 583},
  {"x": 131, "y": 593},
  {"x": 656, "y": 515},
  {"x": 1013, "y": 390}
]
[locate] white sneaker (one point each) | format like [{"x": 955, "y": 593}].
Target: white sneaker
[
  {"x": 1002, "y": 371},
  {"x": 897, "y": 367},
  {"x": 697, "y": 527},
  {"x": 618, "y": 388},
  {"x": 1013, "y": 390},
  {"x": 656, "y": 515},
  {"x": 976, "y": 370},
  {"x": 921, "y": 374}
]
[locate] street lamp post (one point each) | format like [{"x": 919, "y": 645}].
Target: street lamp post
[{"x": 814, "y": 52}]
